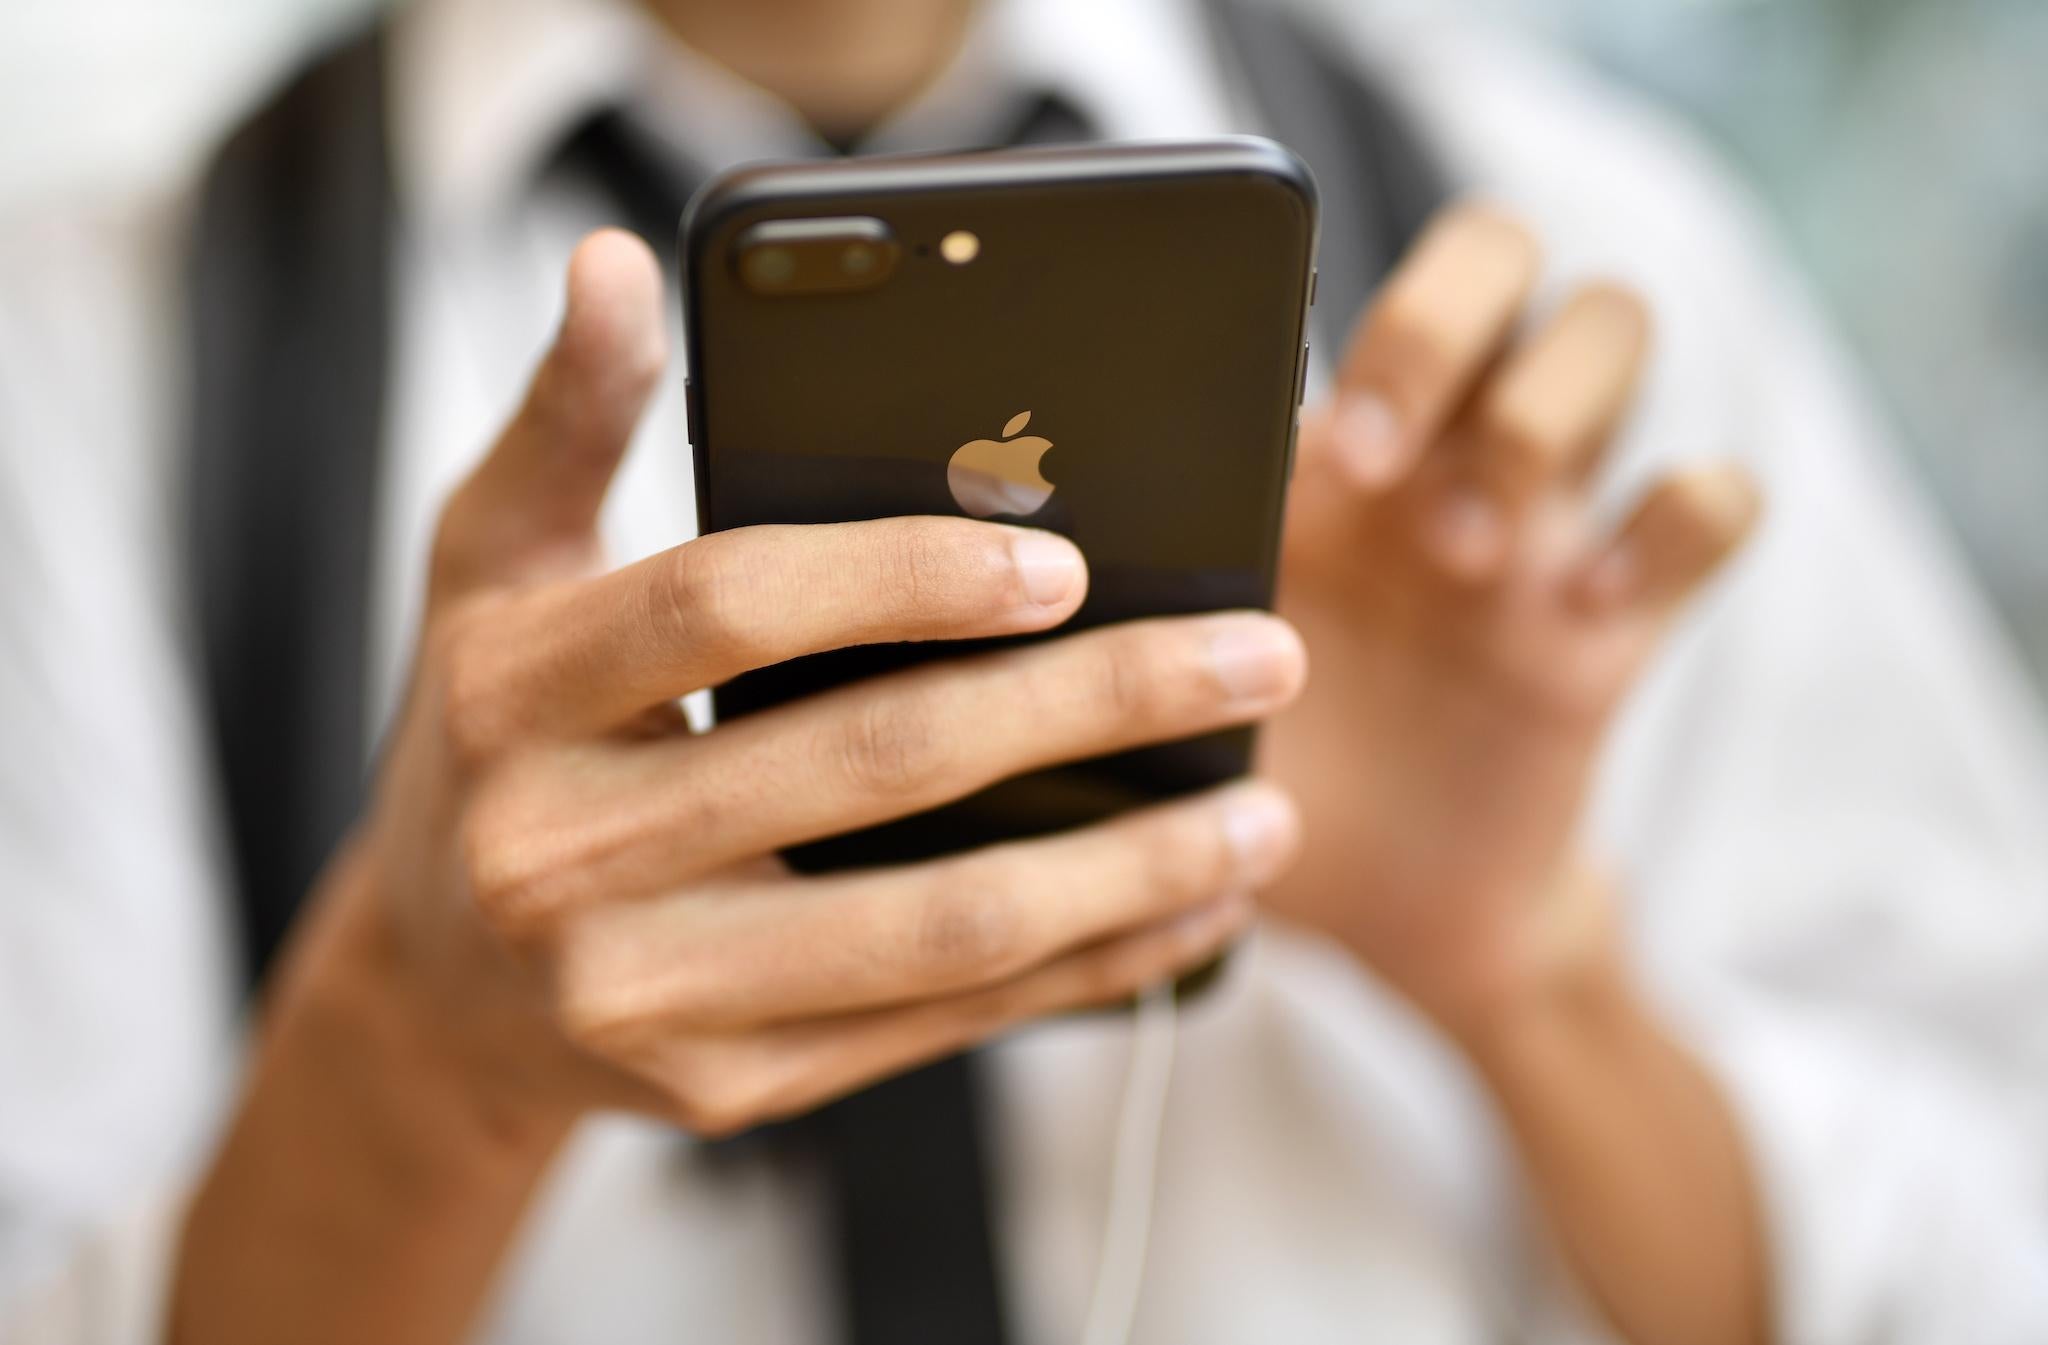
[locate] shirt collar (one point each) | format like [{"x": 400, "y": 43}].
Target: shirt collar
[{"x": 484, "y": 90}]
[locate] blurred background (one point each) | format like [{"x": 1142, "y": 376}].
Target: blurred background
[{"x": 1901, "y": 144}]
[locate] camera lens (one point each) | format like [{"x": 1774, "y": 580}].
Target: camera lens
[
  {"x": 769, "y": 267},
  {"x": 798, "y": 257}
]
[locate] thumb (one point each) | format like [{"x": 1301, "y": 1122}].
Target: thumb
[{"x": 531, "y": 506}]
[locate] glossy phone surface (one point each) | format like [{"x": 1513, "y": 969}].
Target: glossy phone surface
[{"x": 1120, "y": 361}]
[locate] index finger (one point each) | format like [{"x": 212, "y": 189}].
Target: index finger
[
  {"x": 1434, "y": 328},
  {"x": 587, "y": 656}
]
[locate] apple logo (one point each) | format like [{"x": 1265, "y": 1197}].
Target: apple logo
[{"x": 1000, "y": 476}]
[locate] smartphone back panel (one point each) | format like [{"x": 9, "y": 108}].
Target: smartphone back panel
[{"x": 1134, "y": 315}]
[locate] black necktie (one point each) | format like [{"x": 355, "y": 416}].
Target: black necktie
[{"x": 904, "y": 1164}]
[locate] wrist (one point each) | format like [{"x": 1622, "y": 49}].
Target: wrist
[
  {"x": 1561, "y": 1001},
  {"x": 1588, "y": 1011},
  {"x": 1552, "y": 958},
  {"x": 1631, "y": 1151},
  {"x": 363, "y": 1192},
  {"x": 346, "y": 994}
]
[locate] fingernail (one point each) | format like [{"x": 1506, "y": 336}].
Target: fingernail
[
  {"x": 1254, "y": 658},
  {"x": 1466, "y": 531},
  {"x": 1259, "y": 827},
  {"x": 1369, "y": 439},
  {"x": 1049, "y": 566}
]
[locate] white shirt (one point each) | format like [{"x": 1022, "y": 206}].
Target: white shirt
[{"x": 1829, "y": 799}]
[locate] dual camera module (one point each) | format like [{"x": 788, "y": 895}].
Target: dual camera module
[{"x": 826, "y": 256}]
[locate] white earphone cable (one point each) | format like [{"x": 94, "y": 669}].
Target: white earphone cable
[{"x": 1134, "y": 1172}]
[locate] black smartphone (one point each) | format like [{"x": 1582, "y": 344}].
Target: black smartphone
[{"x": 1106, "y": 341}]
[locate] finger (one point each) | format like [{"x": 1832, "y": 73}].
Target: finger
[
  {"x": 586, "y": 656},
  {"x": 1689, "y": 524},
  {"x": 536, "y": 495},
  {"x": 1542, "y": 418},
  {"x": 616, "y": 822},
  {"x": 1435, "y": 327},
  {"x": 823, "y": 1061},
  {"x": 893, "y": 936},
  {"x": 1556, "y": 402},
  {"x": 742, "y": 1080}
]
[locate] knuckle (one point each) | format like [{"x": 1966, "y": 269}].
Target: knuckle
[
  {"x": 504, "y": 884},
  {"x": 1131, "y": 677},
  {"x": 718, "y": 1093},
  {"x": 452, "y": 554},
  {"x": 1521, "y": 442},
  {"x": 709, "y": 1120},
  {"x": 484, "y": 872},
  {"x": 526, "y": 868},
  {"x": 891, "y": 745},
  {"x": 599, "y": 1001},
  {"x": 702, "y": 595},
  {"x": 971, "y": 923},
  {"x": 450, "y": 545},
  {"x": 475, "y": 711},
  {"x": 588, "y": 1011}
]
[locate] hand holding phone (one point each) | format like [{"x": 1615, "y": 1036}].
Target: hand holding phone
[{"x": 1101, "y": 341}]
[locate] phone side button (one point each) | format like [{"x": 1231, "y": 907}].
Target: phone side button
[
  {"x": 690, "y": 425},
  {"x": 1314, "y": 275},
  {"x": 1301, "y": 377}
]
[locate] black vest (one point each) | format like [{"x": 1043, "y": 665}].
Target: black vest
[{"x": 290, "y": 311}]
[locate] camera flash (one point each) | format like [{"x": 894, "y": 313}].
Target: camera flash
[{"x": 959, "y": 247}]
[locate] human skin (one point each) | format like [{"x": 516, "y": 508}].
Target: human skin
[
  {"x": 1475, "y": 631},
  {"x": 1475, "y": 637},
  {"x": 561, "y": 900},
  {"x": 426, "y": 1050}
]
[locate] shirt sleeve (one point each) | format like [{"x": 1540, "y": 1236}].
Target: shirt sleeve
[
  {"x": 116, "y": 997},
  {"x": 113, "y": 1285},
  {"x": 1842, "y": 887}
]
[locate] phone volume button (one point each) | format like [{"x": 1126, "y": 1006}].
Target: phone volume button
[
  {"x": 1313, "y": 277},
  {"x": 1301, "y": 377},
  {"x": 690, "y": 425}
]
